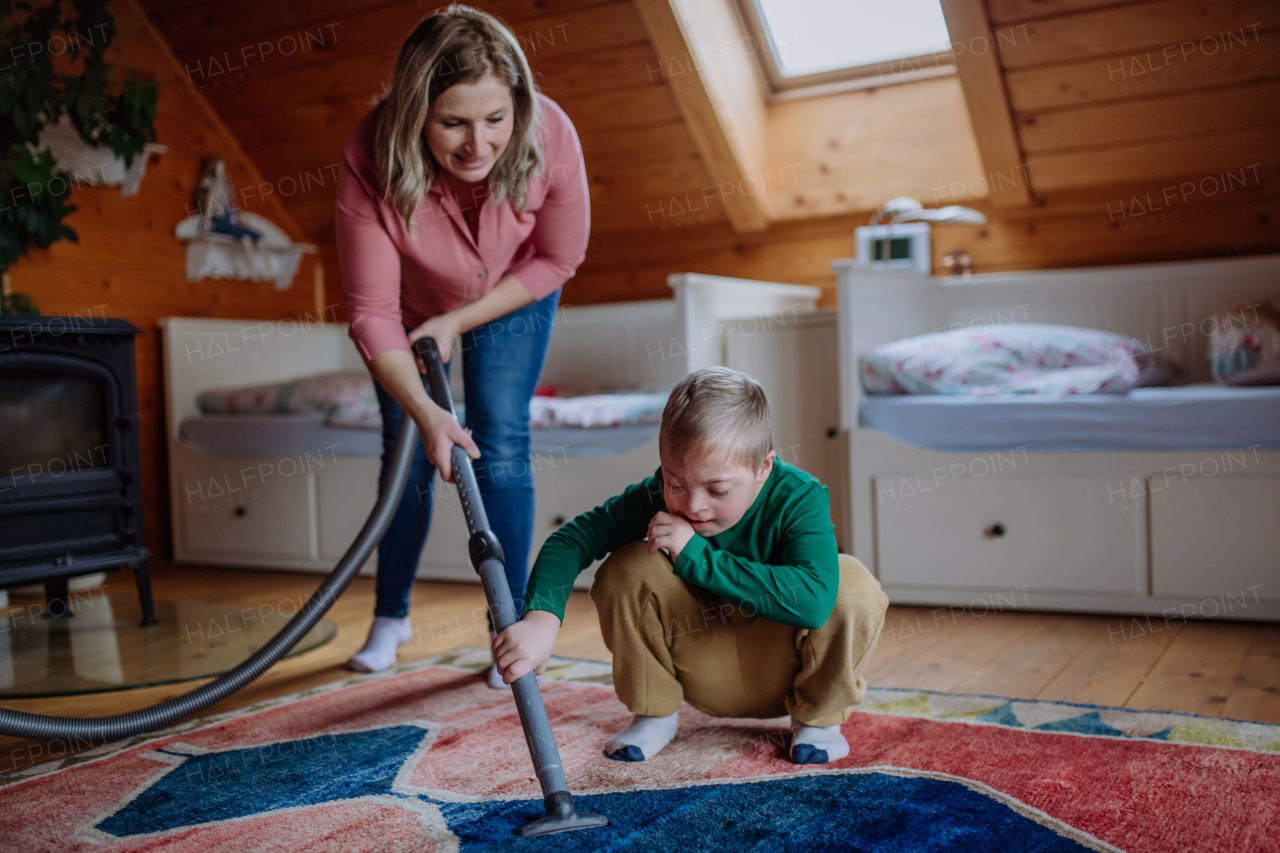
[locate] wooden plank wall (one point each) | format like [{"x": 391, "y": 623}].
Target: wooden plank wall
[
  {"x": 1108, "y": 94},
  {"x": 292, "y": 79},
  {"x": 1149, "y": 128},
  {"x": 128, "y": 263}
]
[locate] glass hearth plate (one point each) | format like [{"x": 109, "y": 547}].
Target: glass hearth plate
[{"x": 101, "y": 648}]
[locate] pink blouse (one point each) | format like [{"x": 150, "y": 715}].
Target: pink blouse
[{"x": 392, "y": 278}]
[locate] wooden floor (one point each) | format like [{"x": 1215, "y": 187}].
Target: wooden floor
[{"x": 1216, "y": 669}]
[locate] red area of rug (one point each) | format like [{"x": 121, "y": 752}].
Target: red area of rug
[{"x": 1139, "y": 795}]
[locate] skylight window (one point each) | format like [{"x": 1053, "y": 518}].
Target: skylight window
[{"x": 844, "y": 44}]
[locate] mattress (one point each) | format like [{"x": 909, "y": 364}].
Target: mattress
[
  {"x": 597, "y": 441},
  {"x": 255, "y": 436},
  {"x": 1192, "y": 417}
]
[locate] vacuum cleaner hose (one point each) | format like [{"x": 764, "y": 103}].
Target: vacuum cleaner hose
[{"x": 117, "y": 726}]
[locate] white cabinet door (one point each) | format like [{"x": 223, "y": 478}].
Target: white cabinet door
[
  {"x": 794, "y": 358},
  {"x": 1038, "y": 534},
  {"x": 568, "y": 486},
  {"x": 346, "y": 490},
  {"x": 1216, "y": 536},
  {"x": 247, "y": 508},
  {"x": 445, "y": 556}
]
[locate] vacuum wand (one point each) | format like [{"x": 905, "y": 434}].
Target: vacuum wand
[{"x": 489, "y": 563}]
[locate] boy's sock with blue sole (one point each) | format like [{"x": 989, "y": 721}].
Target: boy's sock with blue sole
[
  {"x": 816, "y": 744},
  {"x": 643, "y": 739}
]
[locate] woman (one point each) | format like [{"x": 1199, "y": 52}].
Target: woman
[{"x": 462, "y": 208}]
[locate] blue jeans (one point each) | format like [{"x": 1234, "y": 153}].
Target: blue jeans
[{"x": 501, "y": 362}]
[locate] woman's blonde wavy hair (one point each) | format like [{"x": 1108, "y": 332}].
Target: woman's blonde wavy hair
[{"x": 457, "y": 45}]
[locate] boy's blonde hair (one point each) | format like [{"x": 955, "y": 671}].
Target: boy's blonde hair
[{"x": 717, "y": 408}]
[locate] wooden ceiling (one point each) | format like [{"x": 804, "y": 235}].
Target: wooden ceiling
[
  {"x": 1089, "y": 125},
  {"x": 294, "y": 112}
]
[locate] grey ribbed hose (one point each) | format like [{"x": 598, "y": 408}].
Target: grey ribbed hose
[{"x": 170, "y": 711}]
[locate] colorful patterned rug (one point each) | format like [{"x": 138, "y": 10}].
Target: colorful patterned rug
[{"x": 425, "y": 757}]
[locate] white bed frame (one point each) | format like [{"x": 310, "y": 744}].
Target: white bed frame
[
  {"x": 301, "y": 513},
  {"x": 1175, "y": 535}
]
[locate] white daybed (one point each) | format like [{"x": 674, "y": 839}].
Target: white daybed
[
  {"x": 298, "y": 498},
  {"x": 1164, "y": 503}
]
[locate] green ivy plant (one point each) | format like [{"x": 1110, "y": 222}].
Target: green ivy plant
[
  {"x": 17, "y": 303},
  {"x": 109, "y": 107}
]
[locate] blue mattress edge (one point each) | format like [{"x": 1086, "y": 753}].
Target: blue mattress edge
[
  {"x": 252, "y": 436},
  {"x": 1195, "y": 417}
]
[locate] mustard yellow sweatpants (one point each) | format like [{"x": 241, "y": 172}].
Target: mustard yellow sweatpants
[{"x": 673, "y": 642}]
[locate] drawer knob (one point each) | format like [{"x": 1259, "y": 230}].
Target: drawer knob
[
  {"x": 558, "y": 521},
  {"x": 240, "y": 512},
  {"x": 995, "y": 531}
]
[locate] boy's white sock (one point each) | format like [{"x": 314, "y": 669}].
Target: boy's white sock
[
  {"x": 495, "y": 680},
  {"x": 816, "y": 744},
  {"x": 379, "y": 651},
  {"x": 644, "y": 738}
]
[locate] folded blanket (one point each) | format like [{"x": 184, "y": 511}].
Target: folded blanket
[{"x": 1008, "y": 359}]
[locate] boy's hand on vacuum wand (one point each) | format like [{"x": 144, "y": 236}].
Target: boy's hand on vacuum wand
[
  {"x": 526, "y": 645},
  {"x": 670, "y": 532}
]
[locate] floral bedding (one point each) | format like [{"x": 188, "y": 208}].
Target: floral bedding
[
  {"x": 1244, "y": 348},
  {"x": 1026, "y": 358},
  {"x": 597, "y": 410},
  {"x": 348, "y": 400}
]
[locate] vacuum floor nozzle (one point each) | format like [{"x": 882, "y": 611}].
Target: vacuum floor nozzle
[{"x": 561, "y": 817}]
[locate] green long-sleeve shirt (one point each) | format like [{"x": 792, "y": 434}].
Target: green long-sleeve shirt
[{"x": 779, "y": 560}]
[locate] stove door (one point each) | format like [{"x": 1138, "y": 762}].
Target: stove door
[{"x": 52, "y": 421}]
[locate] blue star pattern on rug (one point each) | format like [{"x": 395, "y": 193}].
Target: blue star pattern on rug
[
  {"x": 216, "y": 786},
  {"x": 830, "y": 811}
]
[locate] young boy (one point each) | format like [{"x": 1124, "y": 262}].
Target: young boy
[{"x": 738, "y": 603}]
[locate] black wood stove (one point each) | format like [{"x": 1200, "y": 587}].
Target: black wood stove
[{"x": 70, "y": 490}]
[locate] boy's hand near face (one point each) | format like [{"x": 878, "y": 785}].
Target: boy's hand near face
[
  {"x": 670, "y": 532},
  {"x": 526, "y": 645}
]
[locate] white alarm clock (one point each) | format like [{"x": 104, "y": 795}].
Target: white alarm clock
[
  {"x": 903, "y": 246},
  {"x": 898, "y": 236}
]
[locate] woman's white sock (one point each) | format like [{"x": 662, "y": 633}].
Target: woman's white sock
[
  {"x": 643, "y": 739},
  {"x": 816, "y": 744},
  {"x": 379, "y": 652}
]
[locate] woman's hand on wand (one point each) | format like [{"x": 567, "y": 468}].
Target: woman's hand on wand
[
  {"x": 444, "y": 328},
  {"x": 440, "y": 433}
]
